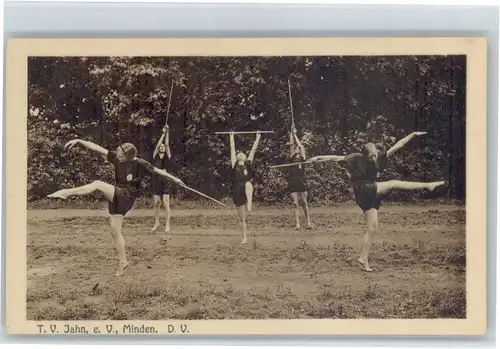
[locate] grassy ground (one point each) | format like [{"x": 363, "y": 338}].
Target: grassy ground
[{"x": 203, "y": 272}]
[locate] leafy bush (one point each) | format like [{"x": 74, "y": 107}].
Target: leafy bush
[{"x": 339, "y": 103}]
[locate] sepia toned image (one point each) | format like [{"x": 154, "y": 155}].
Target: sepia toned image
[{"x": 247, "y": 187}]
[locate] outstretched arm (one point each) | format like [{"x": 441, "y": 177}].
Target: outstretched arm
[
  {"x": 299, "y": 143},
  {"x": 86, "y": 144},
  {"x": 336, "y": 158},
  {"x": 154, "y": 170},
  {"x": 233, "y": 149},
  {"x": 159, "y": 143},
  {"x": 254, "y": 148},
  {"x": 402, "y": 142}
]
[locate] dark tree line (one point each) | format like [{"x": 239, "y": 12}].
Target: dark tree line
[{"x": 338, "y": 102}]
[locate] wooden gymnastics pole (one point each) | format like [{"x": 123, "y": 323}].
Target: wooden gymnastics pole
[
  {"x": 291, "y": 104},
  {"x": 169, "y": 99},
  {"x": 200, "y": 193},
  {"x": 298, "y": 163},
  {"x": 242, "y": 132}
]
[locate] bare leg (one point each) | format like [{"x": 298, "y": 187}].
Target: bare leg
[
  {"x": 243, "y": 221},
  {"x": 116, "y": 232},
  {"x": 385, "y": 187},
  {"x": 107, "y": 189},
  {"x": 156, "y": 208},
  {"x": 305, "y": 207},
  {"x": 249, "y": 195},
  {"x": 296, "y": 210},
  {"x": 166, "y": 202},
  {"x": 371, "y": 217}
]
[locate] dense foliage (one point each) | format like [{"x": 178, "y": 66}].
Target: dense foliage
[{"x": 338, "y": 103}]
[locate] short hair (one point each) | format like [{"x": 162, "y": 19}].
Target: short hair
[
  {"x": 129, "y": 150},
  {"x": 367, "y": 148}
]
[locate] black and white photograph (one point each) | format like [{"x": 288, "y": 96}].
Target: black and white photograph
[{"x": 246, "y": 187}]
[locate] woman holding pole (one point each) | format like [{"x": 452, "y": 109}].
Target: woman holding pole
[
  {"x": 161, "y": 188},
  {"x": 242, "y": 173},
  {"x": 129, "y": 172},
  {"x": 297, "y": 182}
]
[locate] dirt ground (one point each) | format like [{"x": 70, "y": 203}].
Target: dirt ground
[{"x": 202, "y": 272}]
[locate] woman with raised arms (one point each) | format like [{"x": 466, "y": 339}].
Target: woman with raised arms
[
  {"x": 242, "y": 175},
  {"x": 129, "y": 172},
  {"x": 363, "y": 170}
]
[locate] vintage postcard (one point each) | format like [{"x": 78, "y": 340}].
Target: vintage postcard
[{"x": 246, "y": 186}]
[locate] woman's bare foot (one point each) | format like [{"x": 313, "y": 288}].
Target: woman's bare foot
[
  {"x": 310, "y": 226},
  {"x": 157, "y": 224},
  {"x": 244, "y": 241},
  {"x": 121, "y": 269},
  {"x": 365, "y": 264}
]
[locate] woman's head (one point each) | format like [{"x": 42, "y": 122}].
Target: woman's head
[
  {"x": 370, "y": 152},
  {"x": 161, "y": 148},
  {"x": 126, "y": 152},
  {"x": 296, "y": 155},
  {"x": 240, "y": 156}
]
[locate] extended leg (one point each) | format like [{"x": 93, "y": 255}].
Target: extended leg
[
  {"x": 156, "y": 208},
  {"x": 305, "y": 207},
  {"x": 371, "y": 218},
  {"x": 107, "y": 189},
  {"x": 116, "y": 222},
  {"x": 243, "y": 222},
  {"x": 166, "y": 202},
  {"x": 249, "y": 195},
  {"x": 385, "y": 187},
  {"x": 295, "y": 199}
]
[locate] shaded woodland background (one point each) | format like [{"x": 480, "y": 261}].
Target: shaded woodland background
[{"x": 339, "y": 103}]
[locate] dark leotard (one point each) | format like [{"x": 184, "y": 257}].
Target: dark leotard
[
  {"x": 297, "y": 181},
  {"x": 160, "y": 185},
  {"x": 363, "y": 176},
  {"x": 128, "y": 178},
  {"x": 240, "y": 178}
]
